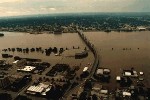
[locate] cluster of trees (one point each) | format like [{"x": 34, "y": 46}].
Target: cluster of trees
[
  {"x": 57, "y": 91},
  {"x": 37, "y": 49},
  {"x": 89, "y": 21},
  {"x": 5, "y": 96},
  {"x": 58, "y": 68}
]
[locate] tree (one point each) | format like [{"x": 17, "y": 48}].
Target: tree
[
  {"x": 94, "y": 97},
  {"x": 5, "y": 96}
]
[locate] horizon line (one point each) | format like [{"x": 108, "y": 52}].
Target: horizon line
[{"x": 69, "y": 13}]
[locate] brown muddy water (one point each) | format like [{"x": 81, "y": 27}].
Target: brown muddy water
[
  {"x": 136, "y": 47},
  {"x": 110, "y": 48},
  {"x": 24, "y": 40}
]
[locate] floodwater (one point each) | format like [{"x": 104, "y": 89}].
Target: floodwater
[
  {"x": 136, "y": 52},
  {"x": 26, "y": 40},
  {"x": 117, "y": 51},
  {"x": 18, "y": 39}
]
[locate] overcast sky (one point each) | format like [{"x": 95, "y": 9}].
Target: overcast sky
[{"x": 29, "y": 7}]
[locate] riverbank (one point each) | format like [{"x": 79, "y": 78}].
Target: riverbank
[{"x": 52, "y": 32}]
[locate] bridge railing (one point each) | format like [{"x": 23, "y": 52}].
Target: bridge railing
[
  {"x": 96, "y": 58},
  {"x": 94, "y": 51}
]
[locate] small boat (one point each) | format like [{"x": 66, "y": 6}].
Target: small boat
[{"x": 1, "y": 34}]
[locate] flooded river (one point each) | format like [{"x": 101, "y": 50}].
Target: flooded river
[
  {"x": 117, "y": 50},
  {"x": 26, "y": 40},
  {"x": 123, "y": 51}
]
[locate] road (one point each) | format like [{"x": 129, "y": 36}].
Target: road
[{"x": 94, "y": 66}]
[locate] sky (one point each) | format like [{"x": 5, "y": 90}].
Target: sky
[{"x": 31, "y": 7}]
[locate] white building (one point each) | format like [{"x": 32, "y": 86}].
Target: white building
[
  {"x": 41, "y": 89},
  {"x": 27, "y": 69},
  {"x": 85, "y": 69}
]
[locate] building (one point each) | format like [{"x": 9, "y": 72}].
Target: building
[
  {"x": 4, "y": 81},
  {"x": 85, "y": 69},
  {"x": 104, "y": 91},
  {"x": 81, "y": 55},
  {"x": 124, "y": 93},
  {"x": 118, "y": 78},
  {"x": 97, "y": 87},
  {"x": 102, "y": 71},
  {"x": 99, "y": 72},
  {"x": 20, "y": 62},
  {"x": 27, "y": 69},
  {"x": 141, "y": 28},
  {"x": 2, "y": 63},
  {"x": 102, "y": 74},
  {"x": 39, "y": 89},
  {"x": 19, "y": 82},
  {"x": 130, "y": 73}
]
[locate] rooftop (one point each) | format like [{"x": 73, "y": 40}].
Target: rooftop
[
  {"x": 27, "y": 69},
  {"x": 40, "y": 88}
]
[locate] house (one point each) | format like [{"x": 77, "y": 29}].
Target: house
[
  {"x": 130, "y": 73},
  {"x": 99, "y": 71},
  {"x": 85, "y": 69},
  {"x": 118, "y": 78},
  {"x": 104, "y": 91},
  {"x": 102, "y": 71},
  {"x": 128, "y": 94},
  {"x": 141, "y": 28}
]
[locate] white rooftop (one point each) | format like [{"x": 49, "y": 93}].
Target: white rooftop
[
  {"x": 15, "y": 61},
  {"x": 40, "y": 88},
  {"x": 85, "y": 69},
  {"x": 104, "y": 91},
  {"x": 27, "y": 68},
  {"x": 126, "y": 94},
  {"x": 141, "y": 28},
  {"x": 107, "y": 70},
  {"x": 36, "y": 89},
  {"x": 127, "y": 73},
  {"x": 118, "y": 78},
  {"x": 99, "y": 71},
  {"x": 141, "y": 73}
]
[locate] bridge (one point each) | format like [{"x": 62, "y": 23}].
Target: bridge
[
  {"x": 94, "y": 65},
  {"x": 94, "y": 51}
]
